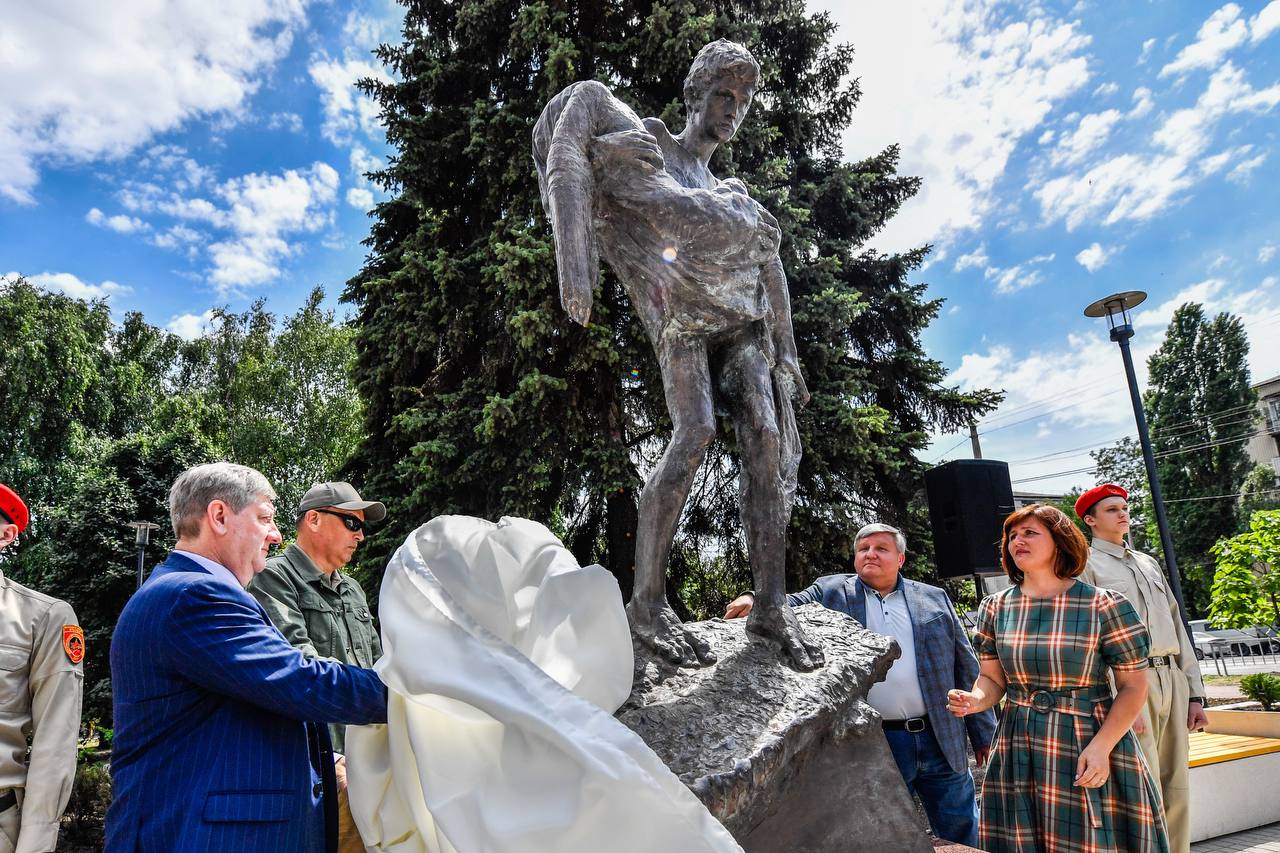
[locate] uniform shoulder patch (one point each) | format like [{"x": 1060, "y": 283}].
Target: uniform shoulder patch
[{"x": 73, "y": 642}]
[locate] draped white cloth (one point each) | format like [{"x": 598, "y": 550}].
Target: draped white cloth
[{"x": 505, "y": 660}]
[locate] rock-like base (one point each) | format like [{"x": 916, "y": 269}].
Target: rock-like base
[{"x": 789, "y": 762}]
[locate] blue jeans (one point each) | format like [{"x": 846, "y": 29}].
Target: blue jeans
[{"x": 947, "y": 796}]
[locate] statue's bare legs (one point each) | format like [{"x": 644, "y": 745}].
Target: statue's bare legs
[
  {"x": 687, "y": 382},
  {"x": 763, "y": 507}
]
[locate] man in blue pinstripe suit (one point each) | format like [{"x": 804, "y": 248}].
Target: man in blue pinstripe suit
[
  {"x": 220, "y": 736},
  {"x": 927, "y": 743}
]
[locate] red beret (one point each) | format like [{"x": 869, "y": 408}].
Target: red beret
[
  {"x": 12, "y": 506},
  {"x": 1085, "y": 502}
]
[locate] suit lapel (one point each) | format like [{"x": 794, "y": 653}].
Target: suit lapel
[{"x": 857, "y": 595}]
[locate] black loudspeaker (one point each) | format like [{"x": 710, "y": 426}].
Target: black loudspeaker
[{"x": 968, "y": 502}]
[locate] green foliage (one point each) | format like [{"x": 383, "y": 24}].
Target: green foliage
[
  {"x": 1259, "y": 493},
  {"x": 1262, "y": 687},
  {"x": 1246, "y": 587},
  {"x": 1201, "y": 408},
  {"x": 106, "y": 416},
  {"x": 1235, "y": 597},
  {"x": 481, "y": 397},
  {"x": 87, "y": 807}
]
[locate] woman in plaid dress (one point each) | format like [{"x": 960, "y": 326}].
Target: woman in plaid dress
[{"x": 1065, "y": 775}]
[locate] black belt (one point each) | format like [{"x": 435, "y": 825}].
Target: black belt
[
  {"x": 914, "y": 725},
  {"x": 1162, "y": 660},
  {"x": 8, "y": 800}
]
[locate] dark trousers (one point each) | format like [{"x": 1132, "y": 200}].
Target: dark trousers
[{"x": 947, "y": 796}]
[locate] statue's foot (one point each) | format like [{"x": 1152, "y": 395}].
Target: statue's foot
[
  {"x": 661, "y": 630},
  {"x": 778, "y": 623}
]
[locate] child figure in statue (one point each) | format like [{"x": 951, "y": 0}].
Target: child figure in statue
[{"x": 699, "y": 259}]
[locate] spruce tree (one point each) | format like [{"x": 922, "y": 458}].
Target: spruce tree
[
  {"x": 1202, "y": 411},
  {"x": 481, "y": 397}
]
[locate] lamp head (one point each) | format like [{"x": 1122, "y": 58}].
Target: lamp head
[
  {"x": 144, "y": 529},
  {"x": 1116, "y": 309}
]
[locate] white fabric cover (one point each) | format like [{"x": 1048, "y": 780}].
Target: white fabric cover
[{"x": 504, "y": 660}]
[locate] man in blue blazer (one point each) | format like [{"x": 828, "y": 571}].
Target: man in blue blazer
[
  {"x": 220, "y": 736},
  {"x": 927, "y": 742}
]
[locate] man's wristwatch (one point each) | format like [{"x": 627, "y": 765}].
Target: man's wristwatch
[{"x": 1199, "y": 699}]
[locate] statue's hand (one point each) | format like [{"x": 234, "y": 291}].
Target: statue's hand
[
  {"x": 790, "y": 377},
  {"x": 627, "y": 149},
  {"x": 777, "y": 622}
]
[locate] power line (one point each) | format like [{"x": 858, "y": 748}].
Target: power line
[
  {"x": 1219, "y": 497},
  {"x": 1056, "y": 474},
  {"x": 953, "y": 447}
]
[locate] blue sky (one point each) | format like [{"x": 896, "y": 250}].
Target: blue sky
[{"x": 173, "y": 156}]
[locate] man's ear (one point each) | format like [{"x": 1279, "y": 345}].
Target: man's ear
[
  {"x": 8, "y": 533},
  {"x": 216, "y": 512},
  {"x": 1089, "y": 520}
]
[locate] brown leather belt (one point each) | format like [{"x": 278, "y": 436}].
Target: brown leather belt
[{"x": 8, "y": 800}]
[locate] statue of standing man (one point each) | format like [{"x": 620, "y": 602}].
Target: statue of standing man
[{"x": 699, "y": 259}]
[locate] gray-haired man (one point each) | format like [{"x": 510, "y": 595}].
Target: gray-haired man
[{"x": 926, "y": 741}]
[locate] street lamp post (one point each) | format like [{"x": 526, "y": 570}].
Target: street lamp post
[
  {"x": 1116, "y": 309},
  {"x": 143, "y": 529}
]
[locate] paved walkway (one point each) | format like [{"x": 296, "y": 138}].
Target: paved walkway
[{"x": 1263, "y": 839}]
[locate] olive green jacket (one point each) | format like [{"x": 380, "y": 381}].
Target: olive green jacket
[{"x": 320, "y": 620}]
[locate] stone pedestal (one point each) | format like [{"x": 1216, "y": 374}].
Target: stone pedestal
[{"x": 790, "y": 762}]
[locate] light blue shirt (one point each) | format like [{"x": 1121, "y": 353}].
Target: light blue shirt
[
  {"x": 898, "y": 697},
  {"x": 218, "y": 570}
]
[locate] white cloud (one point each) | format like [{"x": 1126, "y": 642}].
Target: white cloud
[
  {"x": 120, "y": 223},
  {"x": 1139, "y": 186},
  {"x": 1146, "y": 50},
  {"x": 958, "y": 85},
  {"x": 976, "y": 258},
  {"x": 360, "y": 198},
  {"x": 1088, "y": 136},
  {"x": 1142, "y": 102},
  {"x": 1265, "y": 22},
  {"x": 1105, "y": 89},
  {"x": 65, "y": 282},
  {"x": 1266, "y": 253},
  {"x": 1224, "y": 31},
  {"x": 347, "y": 111},
  {"x": 292, "y": 122},
  {"x": 1017, "y": 277},
  {"x": 97, "y": 80},
  {"x": 262, "y": 211},
  {"x": 1095, "y": 257},
  {"x": 191, "y": 326},
  {"x": 181, "y": 172},
  {"x": 1244, "y": 169},
  {"x": 175, "y": 237},
  {"x": 1046, "y": 137}
]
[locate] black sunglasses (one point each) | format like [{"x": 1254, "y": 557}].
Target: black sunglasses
[{"x": 352, "y": 523}]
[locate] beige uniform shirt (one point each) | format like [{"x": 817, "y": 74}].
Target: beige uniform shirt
[
  {"x": 40, "y": 693},
  {"x": 1138, "y": 577}
]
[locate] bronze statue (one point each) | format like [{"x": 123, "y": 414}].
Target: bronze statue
[{"x": 699, "y": 259}]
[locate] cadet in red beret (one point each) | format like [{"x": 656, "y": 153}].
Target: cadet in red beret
[
  {"x": 1175, "y": 690},
  {"x": 1085, "y": 502},
  {"x": 44, "y": 686}
]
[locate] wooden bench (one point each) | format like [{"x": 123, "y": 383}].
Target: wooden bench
[{"x": 1233, "y": 783}]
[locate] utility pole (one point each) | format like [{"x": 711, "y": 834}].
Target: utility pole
[{"x": 973, "y": 439}]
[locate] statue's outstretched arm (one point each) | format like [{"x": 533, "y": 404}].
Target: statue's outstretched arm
[{"x": 560, "y": 141}]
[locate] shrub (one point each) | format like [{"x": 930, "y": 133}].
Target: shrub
[{"x": 1261, "y": 687}]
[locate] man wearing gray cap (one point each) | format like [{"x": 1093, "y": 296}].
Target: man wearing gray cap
[
  {"x": 912, "y": 700},
  {"x": 321, "y": 611}
]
